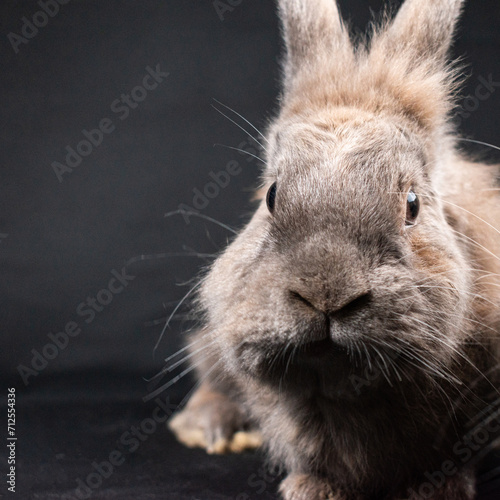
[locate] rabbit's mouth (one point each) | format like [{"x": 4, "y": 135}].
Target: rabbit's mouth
[
  {"x": 318, "y": 349},
  {"x": 338, "y": 367},
  {"x": 299, "y": 364}
]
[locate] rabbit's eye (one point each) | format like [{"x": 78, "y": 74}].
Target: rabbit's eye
[
  {"x": 271, "y": 196},
  {"x": 412, "y": 208}
]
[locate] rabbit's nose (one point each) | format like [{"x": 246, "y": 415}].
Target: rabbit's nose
[
  {"x": 337, "y": 309},
  {"x": 351, "y": 306}
]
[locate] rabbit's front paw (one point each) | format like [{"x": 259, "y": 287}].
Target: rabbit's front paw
[
  {"x": 213, "y": 422},
  {"x": 307, "y": 487}
]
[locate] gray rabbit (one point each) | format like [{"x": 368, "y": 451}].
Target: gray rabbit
[{"x": 374, "y": 249}]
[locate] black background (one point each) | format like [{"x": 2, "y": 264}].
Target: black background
[{"x": 60, "y": 241}]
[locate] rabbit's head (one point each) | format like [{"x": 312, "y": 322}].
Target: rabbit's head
[{"x": 352, "y": 256}]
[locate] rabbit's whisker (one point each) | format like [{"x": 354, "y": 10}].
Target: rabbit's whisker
[
  {"x": 201, "y": 216},
  {"x": 174, "y": 311},
  {"x": 198, "y": 383},
  {"x": 240, "y": 127},
  {"x": 171, "y": 382},
  {"x": 441, "y": 287},
  {"x": 160, "y": 321},
  {"x": 368, "y": 357},
  {"x": 173, "y": 366},
  {"x": 477, "y": 244},
  {"x": 466, "y": 211},
  {"x": 246, "y": 121},
  {"x": 470, "y": 320},
  {"x": 454, "y": 349},
  {"x": 384, "y": 369},
  {"x": 184, "y": 349},
  {"x": 480, "y": 143},
  {"x": 156, "y": 256},
  {"x": 242, "y": 151},
  {"x": 410, "y": 350}
]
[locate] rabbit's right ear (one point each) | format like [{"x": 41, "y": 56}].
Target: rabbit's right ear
[
  {"x": 313, "y": 32},
  {"x": 423, "y": 30}
]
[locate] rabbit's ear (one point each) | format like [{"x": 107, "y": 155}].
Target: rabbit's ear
[
  {"x": 313, "y": 31},
  {"x": 423, "y": 29}
]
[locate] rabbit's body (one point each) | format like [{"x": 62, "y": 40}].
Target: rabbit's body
[{"x": 355, "y": 320}]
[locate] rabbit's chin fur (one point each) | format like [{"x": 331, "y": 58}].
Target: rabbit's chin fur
[{"x": 361, "y": 339}]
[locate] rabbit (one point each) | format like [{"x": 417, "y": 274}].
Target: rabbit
[{"x": 352, "y": 326}]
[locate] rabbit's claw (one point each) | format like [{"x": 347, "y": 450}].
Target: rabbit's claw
[{"x": 213, "y": 422}]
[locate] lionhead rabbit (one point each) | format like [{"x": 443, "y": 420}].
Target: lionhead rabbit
[{"x": 354, "y": 321}]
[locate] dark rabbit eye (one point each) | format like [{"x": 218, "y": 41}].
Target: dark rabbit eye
[
  {"x": 412, "y": 208},
  {"x": 271, "y": 196}
]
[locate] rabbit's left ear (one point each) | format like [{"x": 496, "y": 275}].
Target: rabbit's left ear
[
  {"x": 313, "y": 32},
  {"x": 423, "y": 29}
]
